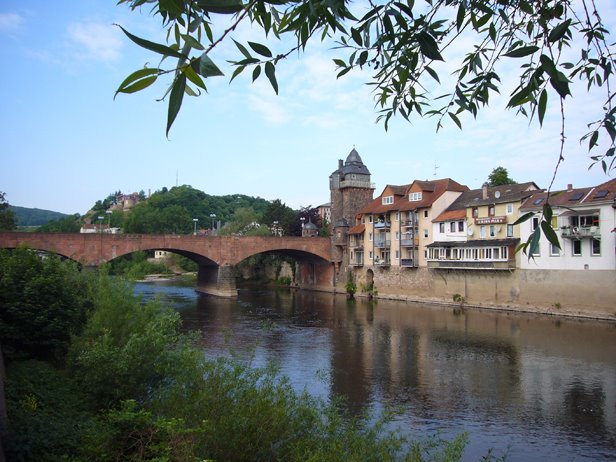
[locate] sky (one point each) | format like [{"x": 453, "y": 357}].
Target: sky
[{"x": 65, "y": 142}]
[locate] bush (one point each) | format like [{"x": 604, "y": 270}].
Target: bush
[{"x": 43, "y": 301}]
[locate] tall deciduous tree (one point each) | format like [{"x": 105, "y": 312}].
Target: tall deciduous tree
[
  {"x": 499, "y": 177},
  {"x": 7, "y": 216}
]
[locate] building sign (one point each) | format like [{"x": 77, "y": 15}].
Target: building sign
[{"x": 490, "y": 220}]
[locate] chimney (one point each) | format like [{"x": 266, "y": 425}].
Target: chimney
[
  {"x": 569, "y": 187},
  {"x": 340, "y": 163},
  {"x": 484, "y": 191}
]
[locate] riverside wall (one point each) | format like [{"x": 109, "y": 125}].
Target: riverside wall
[{"x": 567, "y": 293}]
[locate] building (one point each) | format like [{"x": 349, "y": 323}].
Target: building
[
  {"x": 477, "y": 232},
  {"x": 395, "y": 228},
  {"x": 325, "y": 212},
  {"x": 350, "y": 190},
  {"x": 583, "y": 219}
]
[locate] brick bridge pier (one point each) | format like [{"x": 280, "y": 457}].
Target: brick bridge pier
[{"x": 215, "y": 255}]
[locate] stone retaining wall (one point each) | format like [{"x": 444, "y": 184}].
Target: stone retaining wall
[{"x": 575, "y": 293}]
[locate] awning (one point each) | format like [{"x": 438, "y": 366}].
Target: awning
[
  {"x": 476, "y": 243},
  {"x": 357, "y": 229}
]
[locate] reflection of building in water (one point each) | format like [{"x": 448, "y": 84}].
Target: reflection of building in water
[{"x": 477, "y": 363}]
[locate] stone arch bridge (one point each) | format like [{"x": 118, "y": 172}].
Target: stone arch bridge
[{"x": 215, "y": 255}]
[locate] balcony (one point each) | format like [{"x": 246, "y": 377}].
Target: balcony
[
  {"x": 409, "y": 242},
  {"x": 472, "y": 264},
  {"x": 357, "y": 245},
  {"x": 382, "y": 243},
  {"x": 407, "y": 263},
  {"x": 382, "y": 262},
  {"x": 357, "y": 262},
  {"x": 382, "y": 225},
  {"x": 581, "y": 232}
]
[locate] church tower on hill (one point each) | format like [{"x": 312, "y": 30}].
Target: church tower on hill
[{"x": 350, "y": 190}]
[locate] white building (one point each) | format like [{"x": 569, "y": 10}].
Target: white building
[{"x": 584, "y": 221}]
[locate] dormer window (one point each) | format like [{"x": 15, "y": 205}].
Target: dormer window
[
  {"x": 388, "y": 200},
  {"x": 415, "y": 196}
]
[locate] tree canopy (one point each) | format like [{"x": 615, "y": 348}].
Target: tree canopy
[
  {"x": 409, "y": 48},
  {"x": 7, "y": 216},
  {"x": 500, "y": 177}
]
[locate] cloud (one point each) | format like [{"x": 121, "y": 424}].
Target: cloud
[
  {"x": 10, "y": 22},
  {"x": 95, "y": 41}
]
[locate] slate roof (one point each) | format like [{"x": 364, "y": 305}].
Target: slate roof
[
  {"x": 474, "y": 198},
  {"x": 601, "y": 194}
]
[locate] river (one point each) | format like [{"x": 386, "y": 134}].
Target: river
[{"x": 532, "y": 387}]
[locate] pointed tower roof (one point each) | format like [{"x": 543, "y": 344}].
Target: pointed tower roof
[{"x": 354, "y": 164}]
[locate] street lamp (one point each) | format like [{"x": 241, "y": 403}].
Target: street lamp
[
  {"x": 195, "y": 220},
  {"x": 100, "y": 224},
  {"x": 212, "y": 216}
]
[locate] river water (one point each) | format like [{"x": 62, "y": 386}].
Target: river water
[{"x": 534, "y": 388}]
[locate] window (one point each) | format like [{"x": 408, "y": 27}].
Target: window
[
  {"x": 509, "y": 209},
  {"x": 534, "y": 223},
  {"x": 554, "y": 251},
  {"x": 369, "y": 236},
  {"x": 397, "y": 216},
  {"x": 492, "y": 230},
  {"x": 415, "y": 196},
  {"x": 452, "y": 227},
  {"x": 577, "y": 247},
  {"x": 554, "y": 223},
  {"x": 370, "y": 254},
  {"x": 441, "y": 228},
  {"x": 425, "y": 214},
  {"x": 509, "y": 230},
  {"x": 397, "y": 254},
  {"x": 388, "y": 200},
  {"x": 461, "y": 226},
  {"x": 491, "y": 211},
  {"x": 370, "y": 218},
  {"x": 482, "y": 232},
  {"x": 475, "y": 212},
  {"x": 425, "y": 233},
  {"x": 397, "y": 235},
  {"x": 596, "y": 247}
]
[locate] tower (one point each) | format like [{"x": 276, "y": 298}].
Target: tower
[{"x": 350, "y": 190}]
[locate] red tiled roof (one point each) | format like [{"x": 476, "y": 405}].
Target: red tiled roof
[
  {"x": 357, "y": 229},
  {"x": 450, "y": 215}
]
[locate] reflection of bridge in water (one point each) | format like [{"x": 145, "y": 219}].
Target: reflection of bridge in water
[{"x": 215, "y": 255}]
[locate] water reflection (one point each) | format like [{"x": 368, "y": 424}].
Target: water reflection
[{"x": 543, "y": 387}]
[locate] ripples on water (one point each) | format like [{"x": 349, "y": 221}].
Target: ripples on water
[{"x": 543, "y": 389}]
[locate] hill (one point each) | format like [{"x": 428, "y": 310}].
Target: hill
[{"x": 34, "y": 217}]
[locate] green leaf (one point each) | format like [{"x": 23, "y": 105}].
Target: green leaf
[
  {"x": 534, "y": 242},
  {"x": 237, "y": 72},
  {"x": 139, "y": 85},
  {"x": 155, "y": 47},
  {"x": 207, "y": 68},
  {"x": 141, "y": 74},
  {"x": 193, "y": 76},
  {"x": 460, "y": 16},
  {"x": 428, "y": 46},
  {"x": 261, "y": 49},
  {"x": 560, "y": 83},
  {"x": 243, "y": 49},
  {"x": 559, "y": 31},
  {"x": 356, "y": 36},
  {"x": 543, "y": 103},
  {"x": 521, "y": 51},
  {"x": 193, "y": 42},
  {"x": 549, "y": 233},
  {"x": 433, "y": 73},
  {"x": 221, "y": 6},
  {"x": 175, "y": 100},
  {"x": 455, "y": 119},
  {"x": 256, "y": 73},
  {"x": 523, "y": 218},
  {"x": 270, "y": 72}
]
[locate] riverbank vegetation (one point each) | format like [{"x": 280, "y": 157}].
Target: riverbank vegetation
[{"x": 114, "y": 378}]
